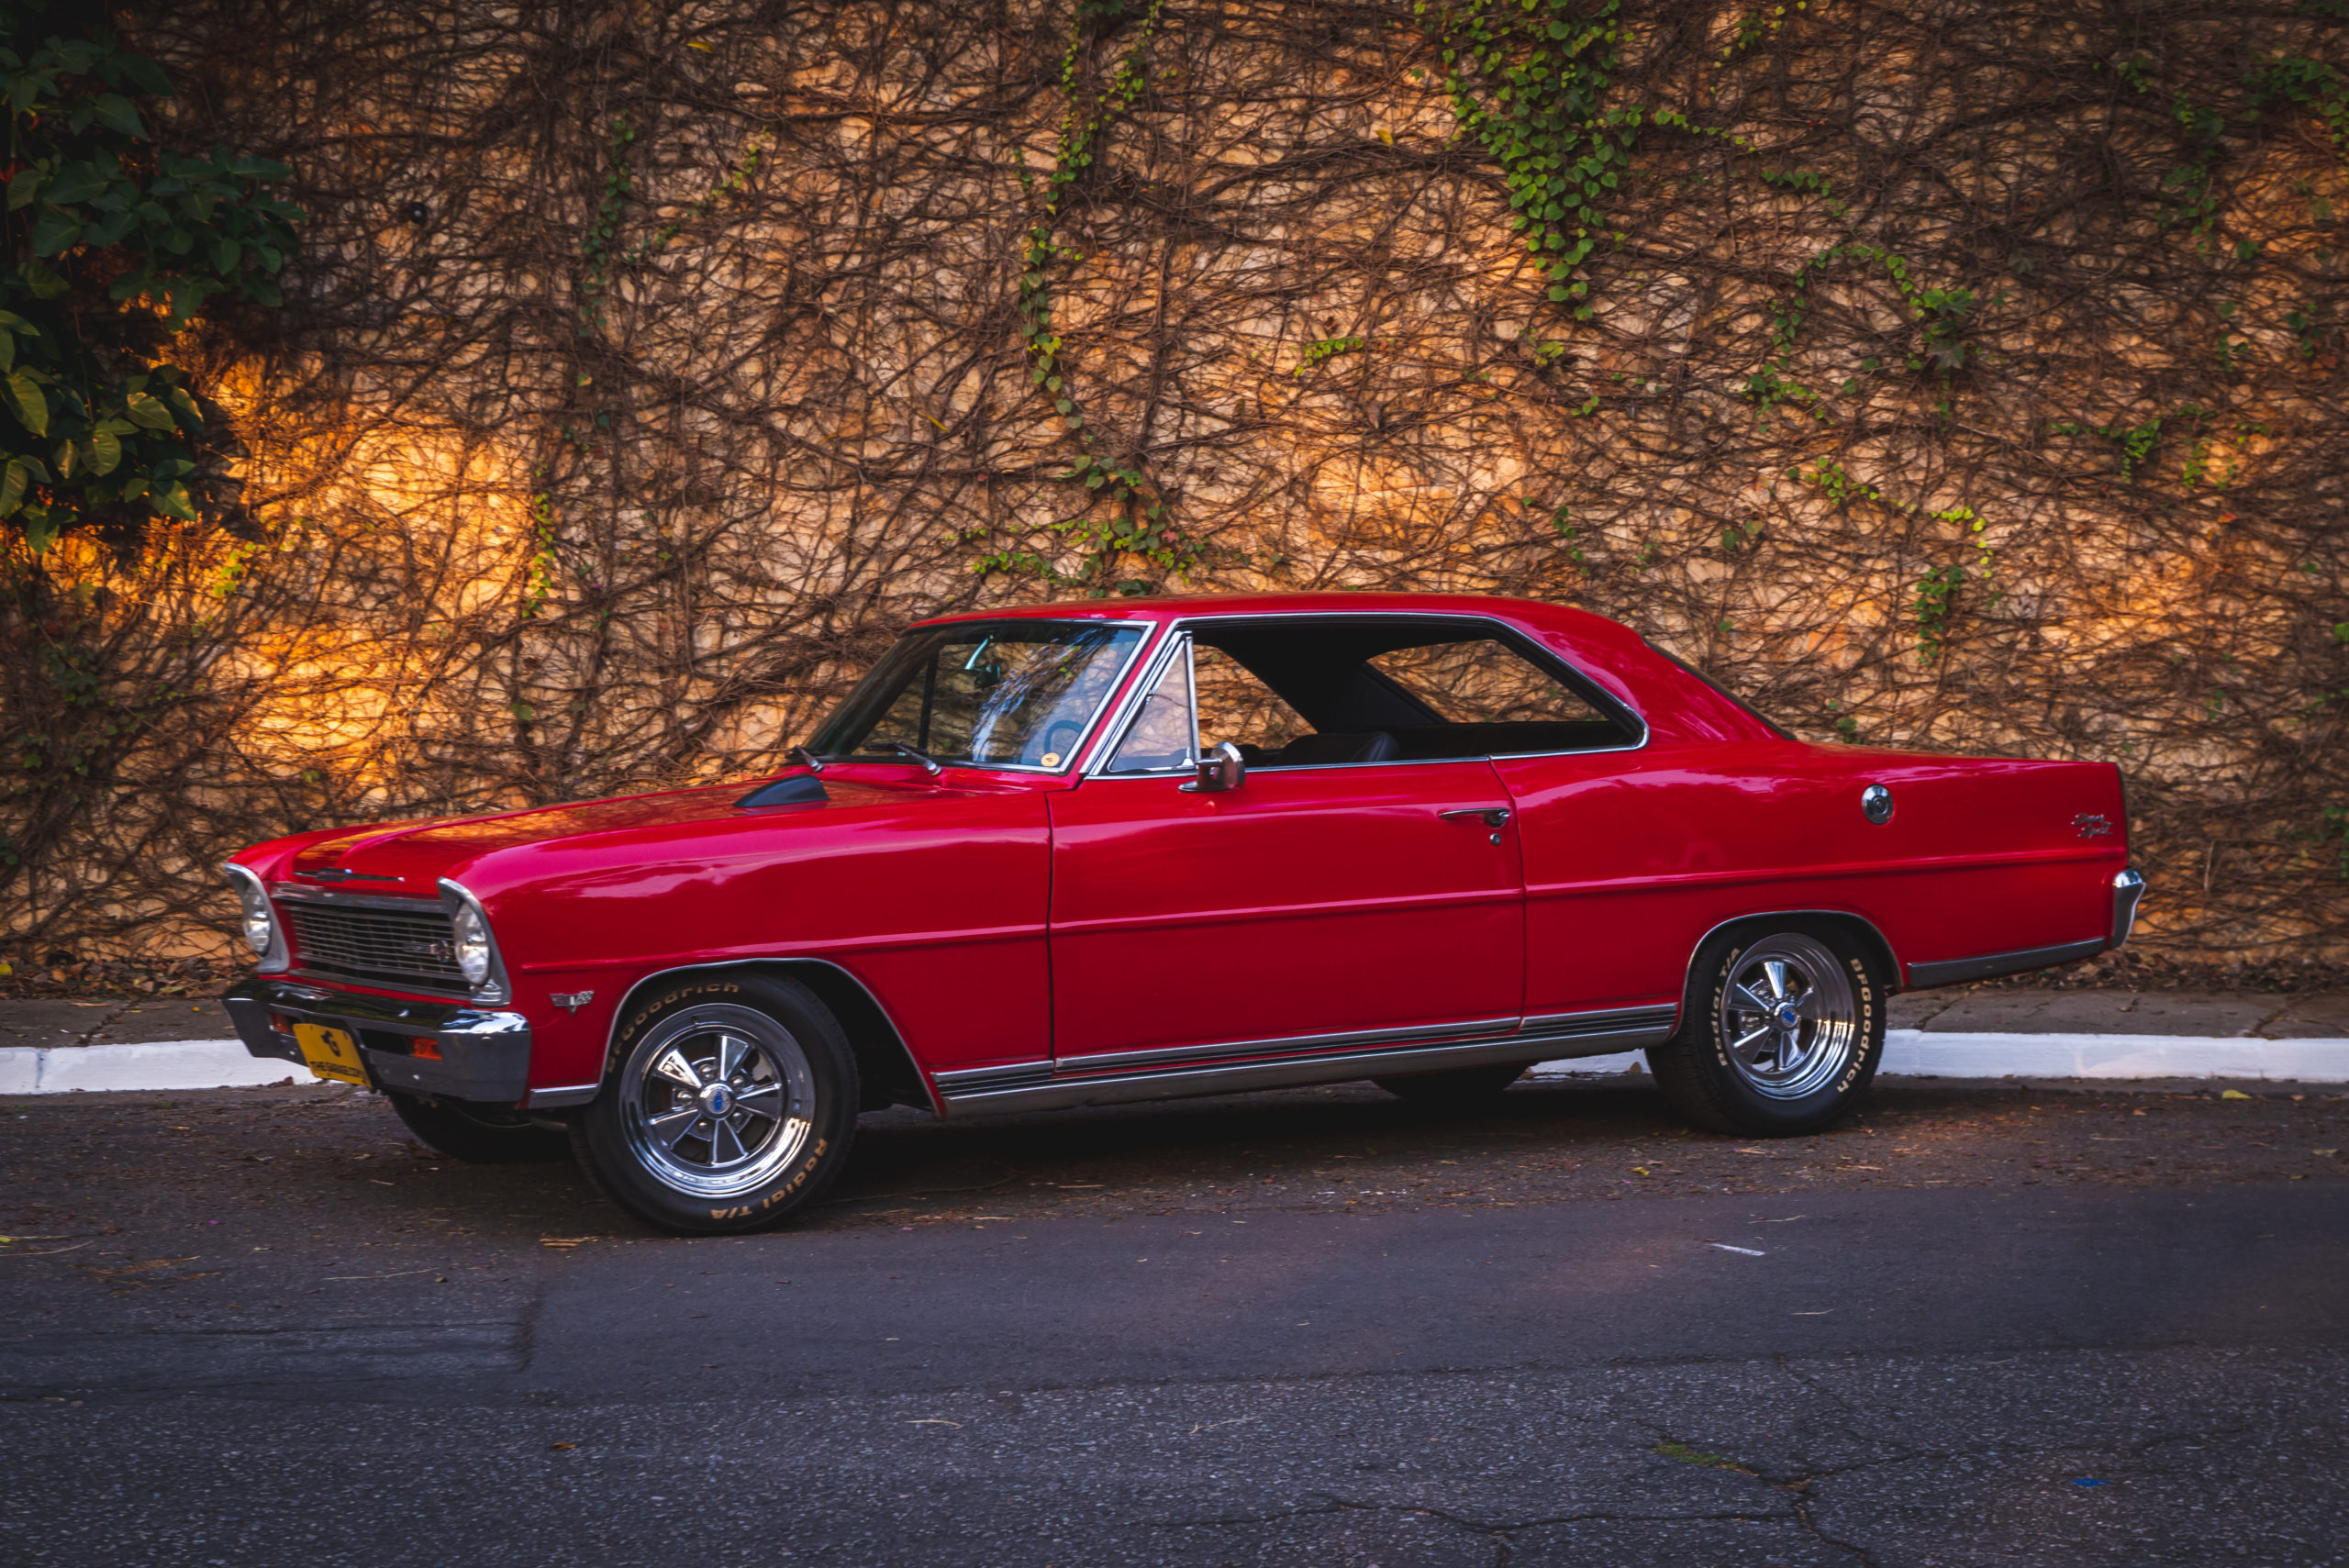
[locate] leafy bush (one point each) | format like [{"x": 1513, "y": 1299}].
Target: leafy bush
[{"x": 114, "y": 241}]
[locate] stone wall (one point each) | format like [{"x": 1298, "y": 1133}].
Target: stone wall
[{"x": 1960, "y": 375}]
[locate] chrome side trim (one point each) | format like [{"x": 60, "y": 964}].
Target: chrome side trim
[
  {"x": 1950, "y": 971},
  {"x": 1012, "y": 1075},
  {"x": 2128, "y": 889},
  {"x": 1107, "y": 1060},
  {"x": 1034, "y": 1086},
  {"x": 1609, "y": 1022},
  {"x": 563, "y": 1095}
]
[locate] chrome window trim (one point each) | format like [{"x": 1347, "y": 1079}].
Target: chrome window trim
[
  {"x": 1128, "y": 707},
  {"x": 1176, "y": 646},
  {"x": 1183, "y": 628},
  {"x": 1085, "y": 737}
]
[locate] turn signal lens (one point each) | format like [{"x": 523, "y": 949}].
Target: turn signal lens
[{"x": 473, "y": 945}]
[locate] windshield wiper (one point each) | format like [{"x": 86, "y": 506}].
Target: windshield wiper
[
  {"x": 930, "y": 764},
  {"x": 807, "y": 758}
]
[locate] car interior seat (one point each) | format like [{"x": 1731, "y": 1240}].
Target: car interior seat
[{"x": 1309, "y": 751}]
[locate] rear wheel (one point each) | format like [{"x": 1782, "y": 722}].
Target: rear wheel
[
  {"x": 1457, "y": 1089},
  {"x": 480, "y": 1135},
  {"x": 728, "y": 1103},
  {"x": 1781, "y": 1033}
]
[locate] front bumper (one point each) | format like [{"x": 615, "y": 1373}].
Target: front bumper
[{"x": 483, "y": 1055}]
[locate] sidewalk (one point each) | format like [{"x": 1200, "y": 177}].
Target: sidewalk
[{"x": 170, "y": 1043}]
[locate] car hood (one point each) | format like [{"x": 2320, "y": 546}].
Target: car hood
[{"x": 408, "y": 859}]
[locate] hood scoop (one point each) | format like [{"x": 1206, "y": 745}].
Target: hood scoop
[{"x": 800, "y": 789}]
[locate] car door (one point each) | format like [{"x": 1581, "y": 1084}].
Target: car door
[{"x": 1320, "y": 903}]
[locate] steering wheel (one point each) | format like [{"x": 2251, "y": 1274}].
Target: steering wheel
[{"x": 1058, "y": 737}]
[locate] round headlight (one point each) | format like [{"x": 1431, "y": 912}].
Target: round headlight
[
  {"x": 261, "y": 926},
  {"x": 473, "y": 945}
]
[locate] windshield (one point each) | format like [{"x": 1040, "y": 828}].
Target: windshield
[{"x": 994, "y": 694}]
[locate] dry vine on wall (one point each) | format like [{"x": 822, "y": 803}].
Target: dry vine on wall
[{"x": 1964, "y": 375}]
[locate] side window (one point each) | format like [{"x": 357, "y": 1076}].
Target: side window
[
  {"x": 1235, "y": 706},
  {"x": 1162, "y": 738},
  {"x": 1484, "y": 681},
  {"x": 1491, "y": 701}
]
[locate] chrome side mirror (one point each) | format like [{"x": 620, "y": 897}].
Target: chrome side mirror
[{"x": 1219, "y": 770}]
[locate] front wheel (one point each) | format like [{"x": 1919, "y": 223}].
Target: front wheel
[
  {"x": 1781, "y": 1032},
  {"x": 728, "y": 1103}
]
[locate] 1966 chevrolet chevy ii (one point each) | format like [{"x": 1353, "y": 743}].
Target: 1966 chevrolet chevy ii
[{"x": 1127, "y": 851}]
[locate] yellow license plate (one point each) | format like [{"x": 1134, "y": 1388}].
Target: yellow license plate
[{"x": 330, "y": 1052}]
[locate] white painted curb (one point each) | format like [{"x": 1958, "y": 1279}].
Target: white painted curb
[
  {"x": 168, "y": 1065},
  {"x": 1911, "y": 1054},
  {"x": 224, "y": 1063}
]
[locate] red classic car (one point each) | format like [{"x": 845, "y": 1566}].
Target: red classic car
[{"x": 1133, "y": 850}]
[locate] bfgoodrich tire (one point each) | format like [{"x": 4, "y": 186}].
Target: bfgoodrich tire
[
  {"x": 1780, "y": 1034},
  {"x": 479, "y": 1135},
  {"x": 728, "y": 1103}
]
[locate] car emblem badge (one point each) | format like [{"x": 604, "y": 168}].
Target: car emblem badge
[
  {"x": 2092, "y": 824},
  {"x": 570, "y": 1001},
  {"x": 717, "y": 1099}
]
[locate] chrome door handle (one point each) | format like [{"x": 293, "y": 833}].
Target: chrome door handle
[{"x": 1491, "y": 815}]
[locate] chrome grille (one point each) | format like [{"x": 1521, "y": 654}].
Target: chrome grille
[{"x": 396, "y": 947}]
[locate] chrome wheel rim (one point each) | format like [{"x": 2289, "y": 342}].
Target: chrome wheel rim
[
  {"x": 718, "y": 1101},
  {"x": 1789, "y": 1019}
]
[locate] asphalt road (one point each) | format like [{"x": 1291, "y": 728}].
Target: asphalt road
[{"x": 1980, "y": 1326}]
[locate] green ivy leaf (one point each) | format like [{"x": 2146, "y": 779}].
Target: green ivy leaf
[
  {"x": 171, "y": 501},
  {"x": 55, "y": 231},
  {"x": 106, "y": 451},
  {"x": 26, "y": 400},
  {"x": 146, "y": 412},
  {"x": 118, "y": 114}
]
